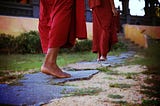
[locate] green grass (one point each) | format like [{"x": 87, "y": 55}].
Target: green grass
[
  {"x": 65, "y": 59},
  {"x": 109, "y": 78},
  {"x": 124, "y": 103},
  {"x": 115, "y": 96},
  {"x": 116, "y": 85},
  {"x": 129, "y": 75},
  {"x": 150, "y": 102},
  {"x": 108, "y": 71},
  {"x": 18, "y": 62},
  {"x": 121, "y": 103},
  {"x": 117, "y": 52},
  {"x": 136, "y": 60},
  {"x": 83, "y": 91}
]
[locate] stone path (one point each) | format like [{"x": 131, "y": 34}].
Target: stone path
[
  {"x": 38, "y": 88},
  {"x": 111, "y": 61}
]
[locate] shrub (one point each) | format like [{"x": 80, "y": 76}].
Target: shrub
[
  {"x": 24, "y": 43},
  {"x": 118, "y": 46},
  {"x": 80, "y": 46},
  {"x": 84, "y": 45},
  {"x": 7, "y": 43},
  {"x": 28, "y": 43}
]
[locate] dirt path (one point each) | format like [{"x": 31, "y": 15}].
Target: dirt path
[{"x": 119, "y": 86}]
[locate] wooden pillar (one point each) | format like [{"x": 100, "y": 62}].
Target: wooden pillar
[
  {"x": 125, "y": 7},
  {"x": 125, "y": 10}
]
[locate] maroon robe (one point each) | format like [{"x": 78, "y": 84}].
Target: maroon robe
[
  {"x": 104, "y": 26},
  {"x": 61, "y": 22}
]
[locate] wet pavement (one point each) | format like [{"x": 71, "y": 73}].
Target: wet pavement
[{"x": 37, "y": 88}]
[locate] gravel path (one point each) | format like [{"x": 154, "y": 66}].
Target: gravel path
[{"x": 127, "y": 75}]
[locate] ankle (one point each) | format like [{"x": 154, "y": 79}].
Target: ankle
[{"x": 47, "y": 63}]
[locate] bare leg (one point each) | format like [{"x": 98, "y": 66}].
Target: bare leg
[{"x": 50, "y": 66}]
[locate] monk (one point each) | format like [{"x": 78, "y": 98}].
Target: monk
[
  {"x": 60, "y": 23},
  {"x": 104, "y": 27}
]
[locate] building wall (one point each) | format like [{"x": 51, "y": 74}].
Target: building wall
[{"x": 17, "y": 25}]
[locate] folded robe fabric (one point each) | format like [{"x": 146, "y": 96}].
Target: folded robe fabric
[
  {"x": 94, "y": 3},
  {"x": 61, "y": 22}
]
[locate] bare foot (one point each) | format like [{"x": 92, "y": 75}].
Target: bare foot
[
  {"x": 55, "y": 71},
  {"x": 102, "y": 58}
]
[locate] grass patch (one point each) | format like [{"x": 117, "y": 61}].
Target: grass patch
[
  {"x": 69, "y": 58},
  {"x": 116, "y": 85},
  {"x": 136, "y": 60},
  {"x": 7, "y": 78},
  {"x": 124, "y": 103},
  {"x": 18, "y": 62},
  {"x": 118, "y": 48},
  {"x": 116, "y": 52},
  {"x": 82, "y": 92},
  {"x": 114, "y": 96},
  {"x": 152, "y": 58},
  {"x": 121, "y": 103},
  {"x": 108, "y": 71},
  {"x": 151, "y": 91},
  {"x": 150, "y": 102},
  {"x": 109, "y": 78},
  {"x": 104, "y": 69},
  {"x": 151, "y": 72},
  {"x": 129, "y": 75}
]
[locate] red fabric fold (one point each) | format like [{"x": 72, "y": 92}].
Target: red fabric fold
[
  {"x": 94, "y": 3},
  {"x": 61, "y": 22}
]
